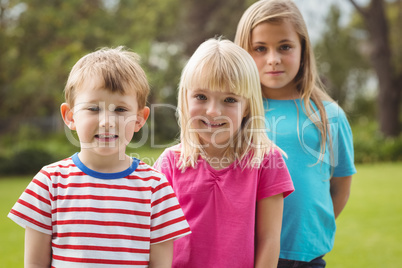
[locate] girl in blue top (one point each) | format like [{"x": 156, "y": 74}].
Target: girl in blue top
[{"x": 306, "y": 123}]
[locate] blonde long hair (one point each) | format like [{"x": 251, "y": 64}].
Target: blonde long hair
[
  {"x": 220, "y": 65},
  {"x": 308, "y": 83}
]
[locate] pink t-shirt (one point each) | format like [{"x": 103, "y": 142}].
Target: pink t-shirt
[{"x": 220, "y": 207}]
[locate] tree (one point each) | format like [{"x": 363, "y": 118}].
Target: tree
[
  {"x": 201, "y": 20},
  {"x": 341, "y": 63},
  {"x": 41, "y": 43},
  {"x": 46, "y": 41},
  {"x": 382, "y": 54}
]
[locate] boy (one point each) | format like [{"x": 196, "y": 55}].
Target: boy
[{"x": 101, "y": 208}]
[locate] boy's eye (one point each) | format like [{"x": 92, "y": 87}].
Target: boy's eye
[
  {"x": 200, "y": 97},
  {"x": 230, "y": 100},
  {"x": 120, "y": 109}
]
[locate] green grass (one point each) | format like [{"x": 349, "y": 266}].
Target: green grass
[
  {"x": 369, "y": 229},
  {"x": 12, "y": 235}
]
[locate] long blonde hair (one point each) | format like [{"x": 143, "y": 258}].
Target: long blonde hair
[
  {"x": 308, "y": 83},
  {"x": 220, "y": 65}
]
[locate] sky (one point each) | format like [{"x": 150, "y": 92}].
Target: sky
[{"x": 315, "y": 11}]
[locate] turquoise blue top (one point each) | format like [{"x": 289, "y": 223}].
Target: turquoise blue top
[{"x": 308, "y": 227}]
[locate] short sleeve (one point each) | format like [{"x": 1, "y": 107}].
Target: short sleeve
[
  {"x": 342, "y": 143},
  {"x": 33, "y": 208},
  {"x": 274, "y": 176},
  {"x": 167, "y": 218}
]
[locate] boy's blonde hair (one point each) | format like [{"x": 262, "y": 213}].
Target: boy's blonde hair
[
  {"x": 307, "y": 79},
  {"x": 220, "y": 65},
  {"x": 118, "y": 68}
]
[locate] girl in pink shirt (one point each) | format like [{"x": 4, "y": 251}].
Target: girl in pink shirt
[{"x": 229, "y": 178}]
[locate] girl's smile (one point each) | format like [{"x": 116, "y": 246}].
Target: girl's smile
[
  {"x": 216, "y": 116},
  {"x": 212, "y": 124}
]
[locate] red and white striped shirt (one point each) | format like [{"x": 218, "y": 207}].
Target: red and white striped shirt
[{"x": 100, "y": 219}]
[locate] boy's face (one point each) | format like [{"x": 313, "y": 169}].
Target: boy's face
[{"x": 105, "y": 121}]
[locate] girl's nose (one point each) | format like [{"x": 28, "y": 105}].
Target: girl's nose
[
  {"x": 213, "y": 109},
  {"x": 273, "y": 58}
]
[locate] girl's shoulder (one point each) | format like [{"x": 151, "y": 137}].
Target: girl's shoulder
[
  {"x": 169, "y": 155},
  {"x": 334, "y": 111},
  {"x": 274, "y": 153},
  {"x": 172, "y": 151},
  {"x": 270, "y": 159}
]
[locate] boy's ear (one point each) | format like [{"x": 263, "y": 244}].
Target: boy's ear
[
  {"x": 67, "y": 115},
  {"x": 142, "y": 117}
]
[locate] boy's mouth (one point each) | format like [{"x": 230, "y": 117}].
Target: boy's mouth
[{"x": 106, "y": 137}]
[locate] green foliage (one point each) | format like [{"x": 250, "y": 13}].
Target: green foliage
[
  {"x": 364, "y": 109},
  {"x": 341, "y": 64},
  {"x": 28, "y": 151},
  {"x": 30, "y": 159},
  {"x": 40, "y": 43},
  {"x": 26, "y": 161},
  {"x": 371, "y": 146},
  {"x": 165, "y": 64}
]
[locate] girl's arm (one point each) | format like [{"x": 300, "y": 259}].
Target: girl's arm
[
  {"x": 161, "y": 255},
  {"x": 340, "y": 191},
  {"x": 38, "y": 249},
  {"x": 268, "y": 231}
]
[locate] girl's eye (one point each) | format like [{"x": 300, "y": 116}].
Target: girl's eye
[
  {"x": 260, "y": 49},
  {"x": 200, "y": 97},
  {"x": 94, "y": 109},
  {"x": 285, "y": 47},
  {"x": 230, "y": 100}
]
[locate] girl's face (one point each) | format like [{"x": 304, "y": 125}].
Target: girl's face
[
  {"x": 276, "y": 50},
  {"x": 215, "y": 116}
]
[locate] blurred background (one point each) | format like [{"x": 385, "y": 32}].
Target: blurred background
[{"x": 358, "y": 46}]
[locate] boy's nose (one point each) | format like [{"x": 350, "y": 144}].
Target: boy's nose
[{"x": 107, "y": 120}]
